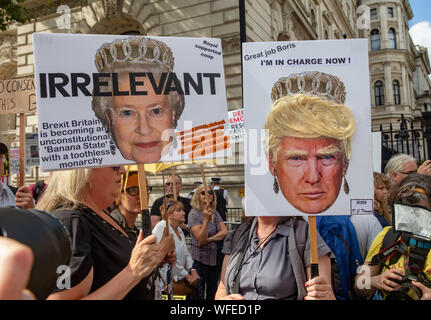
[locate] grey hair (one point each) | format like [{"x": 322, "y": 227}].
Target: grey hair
[{"x": 395, "y": 164}]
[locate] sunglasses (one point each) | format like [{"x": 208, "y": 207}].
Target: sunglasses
[
  {"x": 116, "y": 169},
  {"x": 168, "y": 184},
  {"x": 134, "y": 191},
  {"x": 209, "y": 192}
]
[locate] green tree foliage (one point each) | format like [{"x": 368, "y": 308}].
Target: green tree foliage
[{"x": 12, "y": 11}]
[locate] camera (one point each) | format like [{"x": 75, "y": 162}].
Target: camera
[
  {"x": 419, "y": 248},
  {"x": 47, "y": 237}
]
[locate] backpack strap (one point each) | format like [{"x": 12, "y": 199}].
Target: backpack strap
[
  {"x": 237, "y": 272},
  {"x": 298, "y": 235}
]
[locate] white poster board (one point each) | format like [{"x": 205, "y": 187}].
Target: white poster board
[
  {"x": 264, "y": 63},
  {"x": 31, "y": 150},
  {"x": 377, "y": 152},
  {"x": 236, "y": 125},
  {"x": 135, "y": 85},
  {"x": 14, "y": 160}
]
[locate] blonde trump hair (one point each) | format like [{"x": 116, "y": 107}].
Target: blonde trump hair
[
  {"x": 197, "y": 204},
  {"x": 302, "y": 116},
  {"x": 65, "y": 189}
]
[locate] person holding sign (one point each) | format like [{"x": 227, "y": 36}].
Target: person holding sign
[
  {"x": 309, "y": 140},
  {"x": 184, "y": 276},
  {"x": 206, "y": 228},
  {"x": 10, "y": 196},
  {"x": 141, "y": 113},
  {"x": 105, "y": 263}
]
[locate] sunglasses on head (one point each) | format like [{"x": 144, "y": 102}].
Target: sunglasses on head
[
  {"x": 209, "y": 192},
  {"x": 134, "y": 191}
]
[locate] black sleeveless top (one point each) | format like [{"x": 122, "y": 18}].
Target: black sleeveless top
[{"x": 98, "y": 245}]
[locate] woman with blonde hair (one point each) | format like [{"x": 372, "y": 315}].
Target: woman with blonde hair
[
  {"x": 206, "y": 227},
  {"x": 105, "y": 263},
  {"x": 381, "y": 186}
]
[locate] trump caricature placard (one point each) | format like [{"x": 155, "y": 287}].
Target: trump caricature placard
[
  {"x": 105, "y": 100},
  {"x": 308, "y": 128}
]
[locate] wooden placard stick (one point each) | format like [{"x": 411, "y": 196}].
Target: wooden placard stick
[
  {"x": 205, "y": 187},
  {"x": 143, "y": 196},
  {"x": 314, "y": 268},
  {"x": 21, "y": 149},
  {"x": 174, "y": 183}
]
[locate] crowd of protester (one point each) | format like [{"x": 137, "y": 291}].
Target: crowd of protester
[{"x": 113, "y": 259}]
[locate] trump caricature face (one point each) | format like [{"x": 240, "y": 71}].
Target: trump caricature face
[{"x": 309, "y": 172}]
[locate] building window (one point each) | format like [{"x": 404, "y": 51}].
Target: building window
[
  {"x": 390, "y": 12},
  {"x": 373, "y": 14},
  {"x": 379, "y": 93},
  {"x": 375, "y": 40},
  {"x": 392, "y": 39},
  {"x": 397, "y": 95}
]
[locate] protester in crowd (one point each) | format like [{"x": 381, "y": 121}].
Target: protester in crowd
[
  {"x": 185, "y": 278},
  {"x": 222, "y": 197},
  {"x": 128, "y": 205},
  {"x": 401, "y": 165},
  {"x": 155, "y": 209},
  {"x": 414, "y": 189},
  {"x": 16, "y": 261},
  {"x": 105, "y": 263},
  {"x": 196, "y": 184},
  {"x": 309, "y": 143},
  {"x": 10, "y": 196},
  {"x": 381, "y": 185},
  {"x": 139, "y": 125},
  {"x": 269, "y": 258},
  {"x": 206, "y": 228}
]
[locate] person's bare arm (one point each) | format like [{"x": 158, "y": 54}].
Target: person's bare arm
[
  {"x": 221, "y": 290},
  {"x": 320, "y": 288},
  {"x": 145, "y": 257},
  {"x": 219, "y": 235}
]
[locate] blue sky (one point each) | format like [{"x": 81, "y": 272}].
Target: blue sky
[
  {"x": 421, "y": 10},
  {"x": 420, "y": 25}
]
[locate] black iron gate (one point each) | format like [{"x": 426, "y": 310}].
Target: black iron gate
[{"x": 406, "y": 139}]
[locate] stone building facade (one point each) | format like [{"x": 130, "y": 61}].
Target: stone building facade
[{"x": 266, "y": 20}]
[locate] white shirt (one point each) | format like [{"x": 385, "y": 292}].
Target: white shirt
[
  {"x": 225, "y": 194},
  {"x": 184, "y": 259},
  {"x": 367, "y": 228},
  {"x": 7, "y": 198}
]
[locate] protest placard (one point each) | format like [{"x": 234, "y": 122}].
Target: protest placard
[
  {"x": 308, "y": 128},
  {"x": 236, "y": 125},
  {"x": 107, "y": 100},
  {"x": 31, "y": 150},
  {"x": 17, "y": 96}
]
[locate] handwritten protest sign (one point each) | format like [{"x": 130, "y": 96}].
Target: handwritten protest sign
[
  {"x": 108, "y": 100},
  {"x": 308, "y": 107},
  {"x": 17, "y": 96}
]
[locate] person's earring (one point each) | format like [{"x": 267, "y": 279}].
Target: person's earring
[
  {"x": 275, "y": 186},
  {"x": 346, "y": 185}
]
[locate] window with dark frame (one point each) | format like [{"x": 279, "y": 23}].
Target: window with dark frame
[
  {"x": 392, "y": 39},
  {"x": 379, "y": 93},
  {"x": 373, "y": 14},
  {"x": 375, "y": 40},
  {"x": 390, "y": 12},
  {"x": 396, "y": 88}
]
